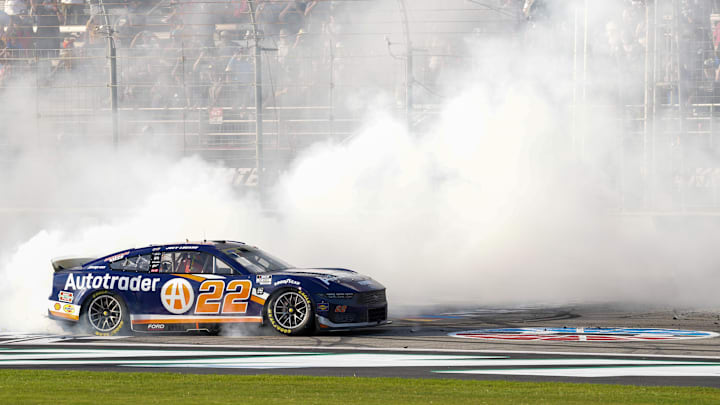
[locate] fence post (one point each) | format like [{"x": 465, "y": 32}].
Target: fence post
[
  {"x": 258, "y": 98},
  {"x": 112, "y": 57},
  {"x": 408, "y": 66}
]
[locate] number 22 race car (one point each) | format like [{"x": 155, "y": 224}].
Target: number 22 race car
[{"x": 205, "y": 286}]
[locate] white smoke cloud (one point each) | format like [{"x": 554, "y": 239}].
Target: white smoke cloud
[{"x": 487, "y": 206}]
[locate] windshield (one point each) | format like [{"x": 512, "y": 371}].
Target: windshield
[{"x": 256, "y": 261}]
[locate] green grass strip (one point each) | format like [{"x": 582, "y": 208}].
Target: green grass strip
[{"x": 84, "y": 387}]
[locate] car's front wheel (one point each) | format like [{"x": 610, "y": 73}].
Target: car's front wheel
[
  {"x": 105, "y": 314},
  {"x": 290, "y": 312}
]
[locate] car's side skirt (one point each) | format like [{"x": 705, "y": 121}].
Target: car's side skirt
[{"x": 178, "y": 323}]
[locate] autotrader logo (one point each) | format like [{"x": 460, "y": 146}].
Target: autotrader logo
[{"x": 177, "y": 295}]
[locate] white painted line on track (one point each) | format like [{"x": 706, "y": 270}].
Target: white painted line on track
[
  {"x": 381, "y": 349},
  {"x": 599, "y": 372},
  {"x": 121, "y": 342}
]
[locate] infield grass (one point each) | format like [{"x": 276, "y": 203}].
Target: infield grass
[{"x": 83, "y": 387}]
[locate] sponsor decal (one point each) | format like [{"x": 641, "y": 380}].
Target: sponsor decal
[
  {"x": 583, "y": 334},
  {"x": 155, "y": 262},
  {"x": 341, "y": 308},
  {"x": 181, "y": 247},
  {"x": 65, "y": 296},
  {"x": 323, "y": 307},
  {"x": 68, "y": 311},
  {"x": 116, "y": 257},
  {"x": 167, "y": 321},
  {"x": 108, "y": 282},
  {"x": 260, "y": 290},
  {"x": 327, "y": 279},
  {"x": 96, "y": 267},
  {"x": 263, "y": 279},
  {"x": 156, "y": 326},
  {"x": 177, "y": 295},
  {"x": 286, "y": 281}
]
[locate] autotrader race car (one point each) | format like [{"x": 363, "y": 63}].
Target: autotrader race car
[{"x": 205, "y": 286}]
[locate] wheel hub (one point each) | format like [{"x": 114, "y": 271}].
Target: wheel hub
[
  {"x": 104, "y": 313},
  {"x": 291, "y": 310}
]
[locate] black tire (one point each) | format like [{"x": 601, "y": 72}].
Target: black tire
[
  {"x": 290, "y": 312},
  {"x": 105, "y": 314}
]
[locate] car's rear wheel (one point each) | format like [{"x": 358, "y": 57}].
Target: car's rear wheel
[
  {"x": 290, "y": 312},
  {"x": 105, "y": 314}
]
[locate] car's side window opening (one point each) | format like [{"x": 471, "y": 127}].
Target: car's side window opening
[
  {"x": 190, "y": 263},
  {"x": 220, "y": 267},
  {"x": 132, "y": 263},
  {"x": 256, "y": 261}
]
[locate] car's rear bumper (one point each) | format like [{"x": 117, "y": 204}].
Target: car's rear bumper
[{"x": 63, "y": 311}]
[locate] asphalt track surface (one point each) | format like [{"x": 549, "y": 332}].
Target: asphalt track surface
[{"x": 419, "y": 346}]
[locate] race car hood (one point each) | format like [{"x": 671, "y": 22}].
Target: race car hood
[{"x": 343, "y": 277}]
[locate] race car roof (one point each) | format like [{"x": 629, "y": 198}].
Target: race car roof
[
  {"x": 219, "y": 244},
  {"x": 201, "y": 246}
]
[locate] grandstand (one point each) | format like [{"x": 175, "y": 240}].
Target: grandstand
[
  {"x": 188, "y": 80},
  {"x": 186, "y": 69}
]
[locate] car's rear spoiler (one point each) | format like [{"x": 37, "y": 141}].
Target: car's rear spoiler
[{"x": 70, "y": 262}]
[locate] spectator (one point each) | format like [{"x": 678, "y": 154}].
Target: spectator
[
  {"x": 47, "y": 19},
  {"x": 292, "y": 16},
  {"x": 239, "y": 11},
  {"x": 198, "y": 18},
  {"x": 236, "y": 89},
  {"x": 72, "y": 11},
  {"x": 240, "y": 71},
  {"x": 20, "y": 34},
  {"x": 4, "y": 20},
  {"x": 301, "y": 40},
  {"x": 203, "y": 72},
  {"x": 283, "y": 45},
  {"x": 267, "y": 14},
  {"x": 145, "y": 40},
  {"x": 136, "y": 17},
  {"x": 66, "y": 55},
  {"x": 16, "y": 9},
  {"x": 124, "y": 32},
  {"x": 93, "y": 37},
  {"x": 226, "y": 46}
]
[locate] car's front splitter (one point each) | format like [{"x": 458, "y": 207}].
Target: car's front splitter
[{"x": 326, "y": 324}]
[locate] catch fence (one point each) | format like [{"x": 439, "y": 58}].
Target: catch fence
[{"x": 187, "y": 78}]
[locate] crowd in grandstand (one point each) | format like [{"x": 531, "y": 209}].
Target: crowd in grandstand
[
  {"x": 182, "y": 31},
  {"x": 186, "y": 52}
]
